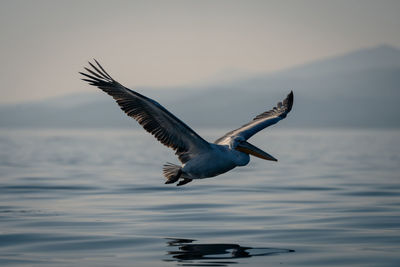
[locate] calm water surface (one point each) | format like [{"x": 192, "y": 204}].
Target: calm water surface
[{"x": 97, "y": 198}]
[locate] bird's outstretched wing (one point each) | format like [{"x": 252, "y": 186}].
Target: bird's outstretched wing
[
  {"x": 154, "y": 118},
  {"x": 261, "y": 121}
]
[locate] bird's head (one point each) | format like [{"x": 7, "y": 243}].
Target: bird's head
[{"x": 240, "y": 144}]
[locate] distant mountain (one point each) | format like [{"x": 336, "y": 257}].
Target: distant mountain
[
  {"x": 75, "y": 110},
  {"x": 357, "y": 89}
]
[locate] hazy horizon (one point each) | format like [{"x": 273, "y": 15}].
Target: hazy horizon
[
  {"x": 335, "y": 92},
  {"x": 216, "y": 79}
]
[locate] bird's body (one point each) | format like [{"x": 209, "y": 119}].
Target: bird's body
[
  {"x": 218, "y": 160},
  {"x": 200, "y": 159}
]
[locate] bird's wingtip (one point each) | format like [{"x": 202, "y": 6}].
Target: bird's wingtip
[{"x": 289, "y": 100}]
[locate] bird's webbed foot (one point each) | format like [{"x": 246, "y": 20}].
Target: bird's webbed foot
[
  {"x": 172, "y": 180},
  {"x": 184, "y": 181}
]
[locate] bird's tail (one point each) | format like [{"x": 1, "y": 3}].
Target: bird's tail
[{"x": 172, "y": 172}]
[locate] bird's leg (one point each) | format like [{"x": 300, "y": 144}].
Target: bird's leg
[
  {"x": 175, "y": 178},
  {"x": 184, "y": 181}
]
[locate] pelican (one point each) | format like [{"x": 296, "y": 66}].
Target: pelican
[{"x": 200, "y": 159}]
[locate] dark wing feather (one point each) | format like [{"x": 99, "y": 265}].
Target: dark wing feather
[
  {"x": 262, "y": 120},
  {"x": 154, "y": 118}
]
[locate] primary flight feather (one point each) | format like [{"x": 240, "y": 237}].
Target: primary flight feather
[{"x": 200, "y": 159}]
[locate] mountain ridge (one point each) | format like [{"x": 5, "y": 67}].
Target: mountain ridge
[{"x": 334, "y": 92}]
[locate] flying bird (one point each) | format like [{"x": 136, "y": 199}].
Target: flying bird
[{"x": 200, "y": 159}]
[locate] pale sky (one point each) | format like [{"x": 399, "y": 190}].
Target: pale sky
[{"x": 43, "y": 44}]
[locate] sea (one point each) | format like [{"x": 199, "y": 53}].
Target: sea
[{"x": 96, "y": 197}]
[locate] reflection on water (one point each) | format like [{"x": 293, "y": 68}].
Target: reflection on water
[
  {"x": 97, "y": 198},
  {"x": 201, "y": 254}
]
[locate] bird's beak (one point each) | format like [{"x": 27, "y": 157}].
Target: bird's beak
[{"x": 248, "y": 148}]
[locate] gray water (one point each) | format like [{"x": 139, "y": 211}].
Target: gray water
[{"x": 97, "y": 198}]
